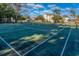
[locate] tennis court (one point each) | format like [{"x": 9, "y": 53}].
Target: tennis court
[{"x": 38, "y": 40}]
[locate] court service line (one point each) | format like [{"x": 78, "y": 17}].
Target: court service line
[
  {"x": 66, "y": 43},
  {"x": 10, "y": 46},
  {"x": 41, "y": 43}
]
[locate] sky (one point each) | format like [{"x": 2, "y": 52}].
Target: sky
[{"x": 35, "y": 9}]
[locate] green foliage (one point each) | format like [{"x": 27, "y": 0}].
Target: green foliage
[
  {"x": 57, "y": 11},
  {"x": 6, "y": 11},
  {"x": 57, "y": 18},
  {"x": 22, "y": 17},
  {"x": 40, "y": 18}
]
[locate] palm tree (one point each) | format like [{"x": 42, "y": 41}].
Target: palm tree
[
  {"x": 73, "y": 13},
  {"x": 57, "y": 15},
  {"x": 57, "y": 11}
]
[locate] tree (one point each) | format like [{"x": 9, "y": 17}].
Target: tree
[
  {"x": 17, "y": 7},
  {"x": 21, "y": 9},
  {"x": 57, "y": 17},
  {"x": 57, "y": 11},
  {"x": 73, "y": 13},
  {"x": 6, "y": 11},
  {"x": 40, "y": 17},
  {"x": 2, "y": 11}
]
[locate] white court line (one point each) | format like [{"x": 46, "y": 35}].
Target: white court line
[
  {"x": 41, "y": 43},
  {"x": 16, "y": 30},
  {"x": 10, "y": 46},
  {"x": 65, "y": 43}
]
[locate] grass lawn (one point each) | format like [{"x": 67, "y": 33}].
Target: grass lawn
[{"x": 38, "y": 39}]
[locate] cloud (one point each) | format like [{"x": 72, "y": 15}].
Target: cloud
[
  {"x": 51, "y": 5},
  {"x": 30, "y": 4},
  {"x": 38, "y": 6},
  {"x": 46, "y": 11},
  {"x": 64, "y": 13},
  {"x": 56, "y": 7},
  {"x": 36, "y": 11},
  {"x": 35, "y": 6},
  {"x": 67, "y": 9}
]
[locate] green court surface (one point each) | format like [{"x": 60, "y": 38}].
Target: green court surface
[{"x": 38, "y": 40}]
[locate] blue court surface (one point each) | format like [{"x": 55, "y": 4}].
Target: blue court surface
[{"x": 38, "y": 40}]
